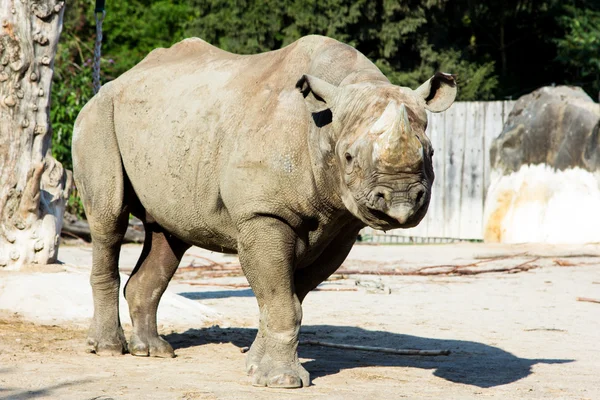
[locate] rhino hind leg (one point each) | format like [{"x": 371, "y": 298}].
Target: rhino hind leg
[
  {"x": 308, "y": 278},
  {"x": 106, "y": 335},
  {"x": 101, "y": 184},
  {"x": 158, "y": 262}
]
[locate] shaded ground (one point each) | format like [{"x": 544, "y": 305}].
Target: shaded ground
[{"x": 512, "y": 336}]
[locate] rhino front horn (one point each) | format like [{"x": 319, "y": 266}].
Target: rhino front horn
[{"x": 395, "y": 134}]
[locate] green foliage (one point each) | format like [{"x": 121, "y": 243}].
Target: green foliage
[
  {"x": 131, "y": 30},
  {"x": 391, "y": 33},
  {"x": 498, "y": 48},
  {"x": 475, "y": 81},
  {"x": 579, "y": 49},
  {"x": 67, "y": 101},
  {"x": 72, "y": 80},
  {"x": 74, "y": 205}
]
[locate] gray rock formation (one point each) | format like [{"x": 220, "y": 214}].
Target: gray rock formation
[
  {"x": 544, "y": 184},
  {"x": 556, "y": 126}
]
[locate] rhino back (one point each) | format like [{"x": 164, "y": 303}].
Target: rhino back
[{"x": 209, "y": 137}]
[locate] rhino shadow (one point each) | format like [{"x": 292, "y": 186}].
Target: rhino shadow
[
  {"x": 15, "y": 393},
  {"x": 469, "y": 363}
]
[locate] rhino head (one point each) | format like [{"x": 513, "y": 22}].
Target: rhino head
[{"x": 376, "y": 136}]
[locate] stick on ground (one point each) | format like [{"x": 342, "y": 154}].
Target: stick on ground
[
  {"x": 448, "y": 269},
  {"x": 231, "y": 285},
  {"x": 587, "y": 299},
  {"x": 404, "y": 352}
]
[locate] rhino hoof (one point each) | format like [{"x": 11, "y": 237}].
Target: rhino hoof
[
  {"x": 251, "y": 369},
  {"x": 255, "y": 356},
  {"x": 287, "y": 377},
  {"x": 114, "y": 347},
  {"x": 154, "y": 347}
]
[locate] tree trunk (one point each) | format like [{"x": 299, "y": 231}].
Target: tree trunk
[{"x": 34, "y": 186}]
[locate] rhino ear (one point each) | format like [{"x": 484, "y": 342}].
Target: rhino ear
[
  {"x": 438, "y": 92},
  {"x": 318, "y": 94}
]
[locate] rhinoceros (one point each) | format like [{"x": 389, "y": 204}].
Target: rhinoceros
[{"x": 280, "y": 157}]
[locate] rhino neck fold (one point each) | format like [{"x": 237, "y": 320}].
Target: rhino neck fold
[{"x": 325, "y": 168}]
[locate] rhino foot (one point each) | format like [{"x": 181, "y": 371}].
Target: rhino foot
[
  {"x": 107, "y": 346},
  {"x": 273, "y": 375},
  {"x": 255, "y": 355},
  {"x": 152, "y": 347}
]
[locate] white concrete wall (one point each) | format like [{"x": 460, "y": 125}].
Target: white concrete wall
[{"x": 540, "y": 205}]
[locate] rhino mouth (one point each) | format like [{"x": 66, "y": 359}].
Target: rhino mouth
[
  {"x": 380, "y": 216},
  {"x": 383, "y": 221}
]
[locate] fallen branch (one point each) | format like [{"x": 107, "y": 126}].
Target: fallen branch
[
  {"x": 64, "y": 232},
  {"x": 446, "y": 270},
  {"x": 564, "y": 263},
  {"x": 220, "y": 274},
  {"x": 404, "y": 352},
  {"x": 535, "y": 254},
  {"x": 459, "y": 269},
  {"x": 500, "y": 257},
  {"x": 544, "y": 330},
  {"x": 232, "y": 285},
  {"x": 80, "y": 229},
  {"x": 209, "y": 268},
  {"x": 218, "y": 270},
  {"x": 370, "y": 272},
  {"x": 511, "y": 270},
  {"x": 339, "y": 277},
  {"x": 211, "y": 263},
  {"x": 574, "y": 255},
  {"x": 211, "y": 274},
  {"x": 245, "y": 285},
  {"x": 589, "y": 300}
]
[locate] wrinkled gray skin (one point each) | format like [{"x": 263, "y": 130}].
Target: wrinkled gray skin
[{"x": 281, "y": 157}]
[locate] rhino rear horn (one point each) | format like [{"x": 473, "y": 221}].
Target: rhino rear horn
[
  {"x": 318, "y": 94},
  {"x": 438, "y": 92}
]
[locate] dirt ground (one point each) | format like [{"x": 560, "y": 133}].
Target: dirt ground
[{"x": 520, "y": 334}]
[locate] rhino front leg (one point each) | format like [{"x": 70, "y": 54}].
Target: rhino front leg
[
  {"x": 266, "y": 249},
  {"x": 305, "y": 280},
  {"x": 257, "y": 350},
  {"x": 159, "y": 260}
]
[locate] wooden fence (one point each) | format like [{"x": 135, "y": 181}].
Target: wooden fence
[{"x": 461, "y": 137}]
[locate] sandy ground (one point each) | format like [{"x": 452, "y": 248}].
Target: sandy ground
[{"x": 517, "y": 335}]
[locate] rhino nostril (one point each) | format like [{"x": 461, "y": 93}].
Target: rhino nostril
[{"x": 419, "y": 195}]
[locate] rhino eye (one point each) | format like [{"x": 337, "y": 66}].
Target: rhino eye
[
  {"x": 431, "y": 153},
  {"x": 348, "y": 157}
]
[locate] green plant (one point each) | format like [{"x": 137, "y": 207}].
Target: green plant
[
  {"x": 579, "y": 49},
  {"x": 497, "y": 48},
  {"x": 74, "y": 204}
]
